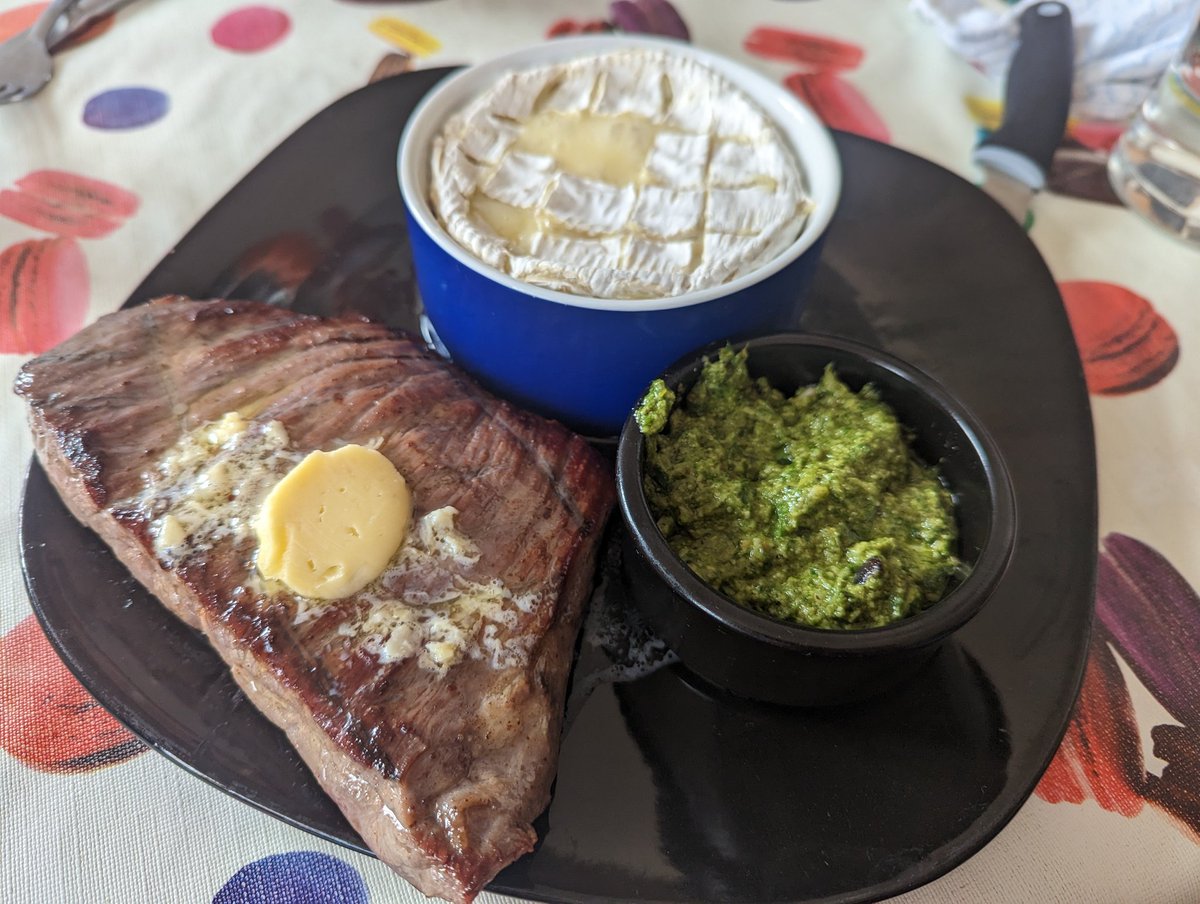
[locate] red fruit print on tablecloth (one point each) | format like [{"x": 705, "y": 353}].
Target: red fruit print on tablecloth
[
  {"x": 47, "y": 720},
  {"x": 1095, "y": 134},
  {"x": 16, "y": 20},
  {"x": 43, "y": 294},
  {"x": 838, "y": 103},
  {"x": 1149, "y": 615},
  {"x": 563, "y": 27},
  {"x": 44, "y": 285},
  {"x": 1099, "y": 757},
  {"x": 251, "y": 29},
  {"x": 67, "y": 204},
  {"x": 811, "y": 51},
  {"x": 819, "y": 82},
  {"x": 1124, "y": 343}
]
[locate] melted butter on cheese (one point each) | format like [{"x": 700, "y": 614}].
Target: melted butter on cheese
[
  {"x": 513, "y": 224},
  {"x": 330, "y": 527},
  {"x": 609, "y": 148},
  {"x": 426, "y": 602},
  {"x": 631, "y": 174}
]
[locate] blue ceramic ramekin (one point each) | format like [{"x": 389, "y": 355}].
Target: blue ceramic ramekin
[{"x": 580, "y": 359}]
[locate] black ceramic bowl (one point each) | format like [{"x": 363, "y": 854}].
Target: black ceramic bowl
[{"x": 765, "y": 658}]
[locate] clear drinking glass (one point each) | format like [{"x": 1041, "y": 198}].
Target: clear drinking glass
[{"x": 1155, "y": 167}]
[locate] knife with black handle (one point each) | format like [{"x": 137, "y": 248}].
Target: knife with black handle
[{"x": 1037, "y": 96}]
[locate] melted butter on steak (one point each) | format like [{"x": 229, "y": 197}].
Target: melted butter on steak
[{"x": 210, "y": 487}]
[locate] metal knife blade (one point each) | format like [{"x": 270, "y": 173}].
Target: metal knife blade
[
  {"x": 1014, "y": 195},
  {"x": 1037, "y": 96}
]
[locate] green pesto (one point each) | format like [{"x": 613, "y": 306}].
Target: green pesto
[
  {"x": 811, "y": 508},
  {"x": 652, "y": 413}
]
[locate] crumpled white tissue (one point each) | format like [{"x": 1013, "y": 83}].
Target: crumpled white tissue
[{"x": 1121, "y": 46}]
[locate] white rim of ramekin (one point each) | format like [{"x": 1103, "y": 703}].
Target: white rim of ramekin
[{"x": 809, "y": 138}]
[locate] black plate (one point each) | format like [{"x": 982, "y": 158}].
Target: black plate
[{"x": 668, "y": 790}]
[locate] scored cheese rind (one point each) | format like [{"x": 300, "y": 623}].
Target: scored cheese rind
[
  {"x": 520, "y": 180},
  {"x": 591, "y": 206},
  {"x": 678, "y": 160},
  {"x": 668, "y": 212},
  {"x": 717, "y": 193}
]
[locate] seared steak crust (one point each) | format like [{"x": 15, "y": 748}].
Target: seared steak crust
[{"x": 441, "y": 772}]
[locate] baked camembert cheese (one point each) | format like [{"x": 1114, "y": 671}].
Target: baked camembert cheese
[{"x": 630, "y": 174}]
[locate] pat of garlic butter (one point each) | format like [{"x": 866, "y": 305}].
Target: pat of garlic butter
[
  {"x": 425, "y": 604},
  {"x": 332, "y": 524},
  {"x": 630, "y": 174}
]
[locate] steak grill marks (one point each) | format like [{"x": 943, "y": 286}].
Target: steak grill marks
[{"x": 441, "y": 772}]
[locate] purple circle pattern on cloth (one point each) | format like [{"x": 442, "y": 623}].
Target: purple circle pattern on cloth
[
  {"x": 297, "y": 877},
  {"x": 125, "y": 108}
]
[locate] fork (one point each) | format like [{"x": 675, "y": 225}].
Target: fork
[
  {"x": 25, "y": 63},
  {"x": 80, "y": 15}
]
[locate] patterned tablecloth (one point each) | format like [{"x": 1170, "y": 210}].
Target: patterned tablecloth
[{"x": 155, "y": 115}]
